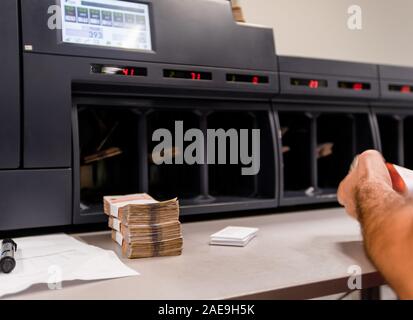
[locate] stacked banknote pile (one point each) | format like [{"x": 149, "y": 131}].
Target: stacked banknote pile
[{"x": 144, "y": 227}]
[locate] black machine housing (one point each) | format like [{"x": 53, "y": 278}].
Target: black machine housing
[{"x": 10, "y": 87}]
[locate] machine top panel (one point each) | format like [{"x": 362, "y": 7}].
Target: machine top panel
[
  {"x": 327, "y": 67},
  {"x": 396, "y": 72},
  {"x": 396, "y": 82},
  {"x": 305, "y": 77},
  {"x": 198, "y": 33}
]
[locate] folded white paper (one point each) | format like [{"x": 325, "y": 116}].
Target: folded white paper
[
  {"x": 53, "y": 259},
  {"x": 233, "y": 236}
]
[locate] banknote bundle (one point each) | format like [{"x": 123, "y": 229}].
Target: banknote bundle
[{"x": 144, "y": 227}]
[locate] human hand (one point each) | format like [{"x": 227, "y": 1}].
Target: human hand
[{"x": 368, "y": 170}]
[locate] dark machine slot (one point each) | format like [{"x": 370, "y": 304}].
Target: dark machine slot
[
  {"x": 408, "y": 142},
  {"x": 226, "y": 181},
  {"x": 391, "y": 131},
  {"x": 340, "y": 137},
  {"x": 108, "y": 139},
  {"x": 296, "y": 152},
  {"x": 173, "y": 178}
]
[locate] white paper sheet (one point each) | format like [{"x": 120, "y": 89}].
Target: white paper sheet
[
  {"x": 235, "y": 233},
  {"x": 53, "y": 259},
  {"x": 233, "y": 236}
]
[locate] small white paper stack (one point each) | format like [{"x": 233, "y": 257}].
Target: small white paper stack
[{"x": 233, "y": 236}]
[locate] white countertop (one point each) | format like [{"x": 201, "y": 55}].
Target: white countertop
[{"x": 295, "y": 255}]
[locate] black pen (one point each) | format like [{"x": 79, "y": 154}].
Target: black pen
[{"x": 7, "y": 261}]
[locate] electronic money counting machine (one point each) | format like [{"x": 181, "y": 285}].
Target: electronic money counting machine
[{"x": 86, "y": 85}]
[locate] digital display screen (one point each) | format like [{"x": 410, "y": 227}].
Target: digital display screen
[
  {"x": 401, "y": 88},
  {"x": 108, "y": 23},
  {"x": 356, "y": 86},
  {"x": 188, "y": 75},
  {"x": 309, "y": 83},
  {"x": 119, "y": 70},
  {"x": 245, "y": 78}
]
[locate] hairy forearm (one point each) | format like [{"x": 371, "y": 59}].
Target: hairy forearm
[{"x": 387, "y": 225}]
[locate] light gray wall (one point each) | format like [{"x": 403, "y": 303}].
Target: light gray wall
[{"x": 318, "y": 28}]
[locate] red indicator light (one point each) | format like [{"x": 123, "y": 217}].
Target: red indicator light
[
  {"x": 187, "y": 75},
  {"x": 195, "y": 76},
  {"x": 405, "y": 89},
  {"x": 119, "y": 70},
  {"x": 313, "y": 84},
  {"x": 128, "y": 71},
  {"x": 255, "y": 80},
  {"x": 358, "y": 86}
]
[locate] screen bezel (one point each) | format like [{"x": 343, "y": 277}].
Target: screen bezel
[{"x": 60, "y": 41}]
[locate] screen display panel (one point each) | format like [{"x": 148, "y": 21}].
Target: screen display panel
[{"x": 107, "y": 23}]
